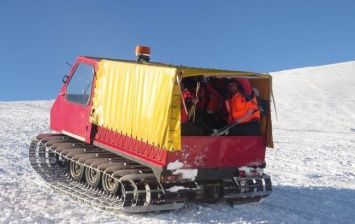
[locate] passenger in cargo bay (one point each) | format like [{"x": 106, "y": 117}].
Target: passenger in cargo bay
[
  {"x": 207, "y": 108},
  {"x": 242, "y": 106}
]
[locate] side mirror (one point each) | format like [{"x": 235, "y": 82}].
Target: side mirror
[{"x": 65, "y": 78}]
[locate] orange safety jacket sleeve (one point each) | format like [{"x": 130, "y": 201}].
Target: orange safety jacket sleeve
[{"x": 238, "y": 107}]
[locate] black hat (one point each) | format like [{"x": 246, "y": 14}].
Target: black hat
[{"x": 231, "y": 80}]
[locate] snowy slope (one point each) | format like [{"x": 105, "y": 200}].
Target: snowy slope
[{"x": 312, "y": 165}]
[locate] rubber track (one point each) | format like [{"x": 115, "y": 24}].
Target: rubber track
[{"x": 43, "y": 154}]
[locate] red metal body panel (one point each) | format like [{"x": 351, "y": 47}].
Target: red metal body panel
[
  {"x": 77, "y": 117},
  {"x": 72, "y": 117},
  {"x": 56, "y": 117},
  {"x": 131, "y": 146},
  {"x": 220, "y": 151},
  {"x": 197, "y": 151}
]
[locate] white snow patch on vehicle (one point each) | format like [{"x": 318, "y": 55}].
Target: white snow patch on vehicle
[
  {"x": 187, "y": 174},
  {"x": 175, "y": 165},
  {"x": 176, "y": 188}
]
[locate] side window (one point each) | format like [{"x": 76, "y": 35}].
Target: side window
[{"x": 80, "y": 85}]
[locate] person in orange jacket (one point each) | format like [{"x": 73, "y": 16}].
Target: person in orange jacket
[{"x": 242, "y": 106}]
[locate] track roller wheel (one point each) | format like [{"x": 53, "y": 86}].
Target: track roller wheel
[
  {"x": 151, "y": 193},
  {"x": 128, "y": 189},
  {"x": 110, "y": 185},
  {"x": 140, "y": 195},
  {"x": 77, "y": 171},
  {"x": 92, "y": 177},
  {"x": 134, "y": 194}
]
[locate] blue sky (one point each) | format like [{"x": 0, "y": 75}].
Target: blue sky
[{"x": 38, "y": 37}]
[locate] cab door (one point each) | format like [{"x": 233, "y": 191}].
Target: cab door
[{"x": 77, "y": 100}]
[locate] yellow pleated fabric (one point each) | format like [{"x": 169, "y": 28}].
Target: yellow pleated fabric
[{"x": 140, "y": 101}]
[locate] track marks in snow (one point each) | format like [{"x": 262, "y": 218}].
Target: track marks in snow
[{"x": 323, "y": 97}]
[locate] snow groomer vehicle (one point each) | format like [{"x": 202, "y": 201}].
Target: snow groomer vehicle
[{"x": 126, "y": 138}]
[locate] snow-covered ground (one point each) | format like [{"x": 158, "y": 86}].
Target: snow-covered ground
[{"x": 312, "y": 165}]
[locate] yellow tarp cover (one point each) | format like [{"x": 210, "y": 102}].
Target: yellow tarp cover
[
  {"x": 143, "y": 101},
  {"x": 140, "y": 101}
]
